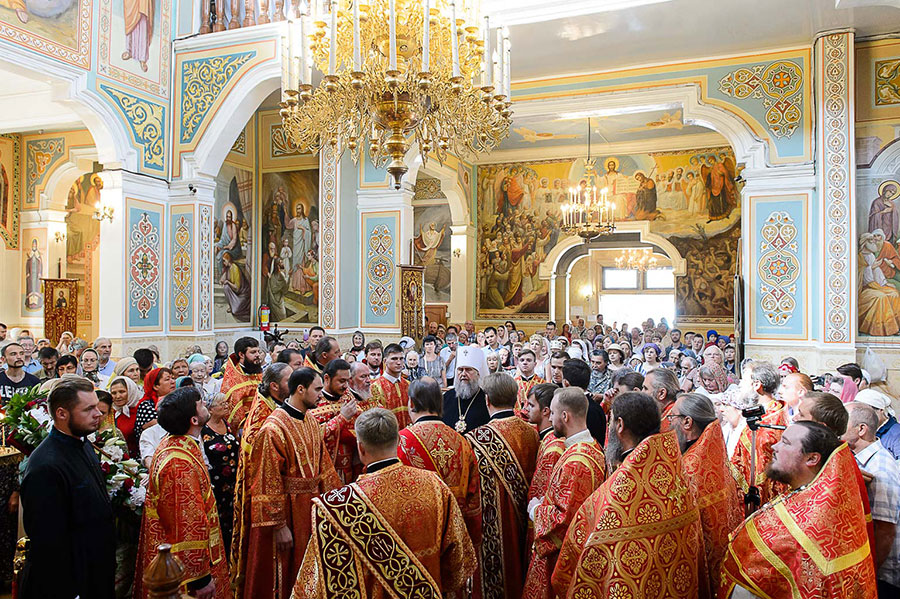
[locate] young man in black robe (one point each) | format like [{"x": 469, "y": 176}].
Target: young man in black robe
[{"x": 67, "y": 513}]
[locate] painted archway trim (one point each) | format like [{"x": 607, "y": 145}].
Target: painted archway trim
[{"x": 550, "y": 265}]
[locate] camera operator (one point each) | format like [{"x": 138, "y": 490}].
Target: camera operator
[{"x": 762, "y": 411}]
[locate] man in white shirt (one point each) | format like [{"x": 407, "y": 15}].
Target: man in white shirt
[
  {"x": 103, "y": 347},
  {"x": 448, "y": 354}
]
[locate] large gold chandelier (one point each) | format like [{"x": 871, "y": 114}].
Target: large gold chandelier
[
  {"x": 641, "y": 259},
  {"x": 587, "y": 211},
  {"x": 393, "y": 77}
]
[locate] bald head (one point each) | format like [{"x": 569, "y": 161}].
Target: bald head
[{"x": 862, "y": 425}]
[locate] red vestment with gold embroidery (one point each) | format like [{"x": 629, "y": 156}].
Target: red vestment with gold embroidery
[
  {"x": 239, "y": 389},
  {"x": 260, "y": 409},
  {"x": 505, "y": 449},
  {"x": 721, "y": 504},
  {"x": 289, "y": 465},
  {"x": 340, "y": 438},
  {"x": 180, "y": 509},
  {"x": 638, "y": 534},
  {"x": 397, "y": 532},
  {"x": 578, "y": 473},
  {"x": 525, "y": 385},
  {"x": 393, "y": 397},
  {"x": 776, "y": 413},
  {"x": 808, "y": 543}
]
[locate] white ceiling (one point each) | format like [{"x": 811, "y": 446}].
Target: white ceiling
[
  {"x": 28, "y": 104},
  {"x": 673, "y": 30}
]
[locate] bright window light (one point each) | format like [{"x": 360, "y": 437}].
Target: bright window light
[
  {"x": 618, "y": 278},
  {"x": 634, "y": 309},
  {"x": 660, "y": 278}
]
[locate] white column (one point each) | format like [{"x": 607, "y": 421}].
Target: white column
[{"x": 462, "y": 272}]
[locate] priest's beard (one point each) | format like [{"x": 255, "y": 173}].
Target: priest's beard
[
  {"x": 466, "y": 390},
  {"x": 252, "y": 368},
  {"x": 682, "y": 441},
  {"x": 776, "y": 474},
  {"x": 615, "y": 453},
  {"x": 364, "y": 394}
]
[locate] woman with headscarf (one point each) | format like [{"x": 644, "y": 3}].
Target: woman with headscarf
[
  {"x": 651, "y": 352},
  {"x": 158, "y": 383},
  {"x": 712, "y": 379},
  {"x": 221, "y": 356},
  {"x": 359, "y": 345},
  {"x": 127, "y": 367},
  {"x": 844, "y": 387},
  {"x": 90, "y": 362},
  {"x": 502, "y": 335},
  {"x": 126, "y": 396}
]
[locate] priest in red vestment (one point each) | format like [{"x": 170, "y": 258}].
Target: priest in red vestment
[
  {"x": 326, "y": 350},
  {"x": 526, "y": 379},
  {"x": 505, "y": 448},
  {"x": 537, "y": 409},
  {"x": 395, "y": 532},
  {"x": 577, "y": 474},
  {"x": 644, "y": 510},
  {"x": 662, "y": 385},
  {"x": 708, "y": 472},
  {"x": 810, "y": 542},
  {"x": 243, "y": 371},
  {"x": 289, "y": 465},
  {"x": 391, "y": 390},
  {"x": 430, "y": 444},
  {"x": 759, "y": 384},
  {"x": 336, "y": 413},
  {"x": 180, "y": 508},
  {"x": 271, "y": 392}
]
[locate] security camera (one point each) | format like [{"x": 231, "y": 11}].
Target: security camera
[{"x": 192, "y": 188}]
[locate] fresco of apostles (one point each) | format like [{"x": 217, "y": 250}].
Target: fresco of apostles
[
  {"x": 689, "y": 193},
  {"x": 879, "y": 262}
]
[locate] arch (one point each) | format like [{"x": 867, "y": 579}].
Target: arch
[
  {"x": 748, "y": 148},
  {"x": 456, "y": 195},
  {"x": 887, "y": 162},
  {"x": 70, "y": 87},
  {"x": 230, "y": 119},
  {"x": 550, "y": 265},
  {"x": 80, "y": 161}
]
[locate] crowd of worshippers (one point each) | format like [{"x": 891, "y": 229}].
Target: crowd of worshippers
[{"x": 487, "y": 464}]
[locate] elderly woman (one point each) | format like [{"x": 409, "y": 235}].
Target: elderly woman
[
  {"x": 712, "y": 379},
  {"x": 359, "y": 346},
  {"x": 221, "y": 356},
  {"x": 180, "y": 367},
  {"x": 126, "y": 396},
  {"x": 90, "y": 362},
  {"x": 158, "y": 383},
  {"x": 221, "y": 448},
  {"x": 127, "y": 367},
  {"x": 65, "y": 340},
  {"x": 616, "y": 357}
]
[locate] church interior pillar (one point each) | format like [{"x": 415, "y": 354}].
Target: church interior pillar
[{"x": 462, "y": 272}]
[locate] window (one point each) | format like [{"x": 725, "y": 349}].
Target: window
[
  {"x": 617, "y": 278},
  {"x": 632, "y": 308},
  {"x": 660, "y": 278}
]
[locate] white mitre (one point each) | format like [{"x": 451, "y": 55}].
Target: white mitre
[{"x": 471, "y": 356}]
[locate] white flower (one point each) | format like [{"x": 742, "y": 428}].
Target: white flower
[
  {"x": 41, "y": 415},
  {"x": 115, "y": 453},
  {"x": 138, "y": 495}
]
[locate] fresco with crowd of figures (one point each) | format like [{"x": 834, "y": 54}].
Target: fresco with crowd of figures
[
  {"x": 233, "y": 247},
  {"x": 687, "y": 193}
]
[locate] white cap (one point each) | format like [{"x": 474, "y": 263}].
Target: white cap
[
  {"x": 876, "y": 399},
  {"x": 471, "y": 356},
  {"x": 866, "y": 376}
]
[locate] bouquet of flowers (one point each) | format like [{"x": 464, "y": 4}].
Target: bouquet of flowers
[
  {"x": 27, "y": 419},
  {"x": 122, "y": 473}
]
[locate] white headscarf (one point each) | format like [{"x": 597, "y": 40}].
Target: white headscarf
[{"x": 134, "y": 396}]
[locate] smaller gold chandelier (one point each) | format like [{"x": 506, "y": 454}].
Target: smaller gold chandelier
[
  {"x": 641, "y": 259},
  {"x": 587, "y": 212}
]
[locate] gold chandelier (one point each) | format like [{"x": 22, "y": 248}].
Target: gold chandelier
[
  {"x": 393, "y": 77},
  {"x": 641, "y": 259},
  {"x": 588, "y": 212}
]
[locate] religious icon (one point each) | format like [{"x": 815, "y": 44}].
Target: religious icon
[
  {"x": 34, "y": 300},
  {"x": 62, "y": 298},
  {"x": 138, "y": 30}
]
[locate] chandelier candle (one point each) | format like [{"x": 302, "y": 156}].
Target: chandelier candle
[{"x": 426, "y": 36}]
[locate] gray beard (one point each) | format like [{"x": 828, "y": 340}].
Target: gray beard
[
  {"x": 682, "y": 442},
  {"x": 614, "y": 451},
  {"x": 466, "y": 390},
  {"x": 363, "y": 394}
]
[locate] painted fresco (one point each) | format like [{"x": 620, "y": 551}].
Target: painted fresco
[
  {"x": 878, "y": 217},
  {"x": 289, "y": 281},
  {"x": 233, "y": 247},
  {"x": 59, "y": 28},
  {"x": 690, "y": 193},
  {"x": 9, "y": 190},
  {"x": 83, "y": 238},
  {"x": 34, "y": 267},
  {"x": 135, "y": 43},
  {"x": 432, "y": 249},
  {"x": 706, "y": 292}
]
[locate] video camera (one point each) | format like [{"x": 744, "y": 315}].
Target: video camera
[{"x": 753, "y": 415}]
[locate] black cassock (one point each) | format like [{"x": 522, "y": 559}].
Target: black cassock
[{"x": 69, "y": 519}]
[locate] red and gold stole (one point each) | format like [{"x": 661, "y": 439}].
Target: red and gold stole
[
  {"x": 549, "y": 452},
  {"x": 308, "y": 363},
  {"x": 811, "y": 542},
  {"x": 239, "y": 390},
  {"x": 350, "y": 536},
  {"x": 638, "y": 534},
  {"x": 721, "y": 504},
  {"x": 432, "y": 445},
  {"x": 524, "y": 387},
  {"x": 393, "y": 397},
  {"x": 260, "y": 409},
  {"x": 776, "y": 413},
  {"x": 505, "y": 450},
  {"x": 180, "y": 509}
]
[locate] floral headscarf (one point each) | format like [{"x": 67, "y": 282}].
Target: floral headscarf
[{"x": 718, "y": 374}]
